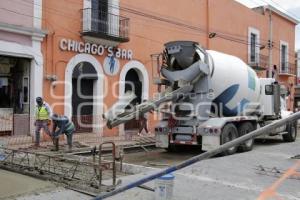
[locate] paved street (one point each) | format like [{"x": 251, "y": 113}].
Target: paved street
[
  {"x": 233, "y": 177},
  {"x": 92, "y": 91},
  {"x": 226, "y": 178}
]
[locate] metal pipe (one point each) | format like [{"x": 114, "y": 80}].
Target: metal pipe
[
  {"x": 259, "y": 132},
  {"x": 147, "y": 106}
]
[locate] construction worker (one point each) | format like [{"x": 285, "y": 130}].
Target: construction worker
[
  {"x": 143, "y": 122},
  {"x": 42, "y": 119},
  {"x": 65, "y": 126}
]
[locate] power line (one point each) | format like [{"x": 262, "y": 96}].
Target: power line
[
  {"x": 151, "y": 17},
  {"x": 48, "y": 10},
  {"x": 163, "y": 19},
  {"x": 198, "y": 29},
  {"x": 280, "y": 6},
  {"x": 57, "y": 11},
  {"x": 234, "y": 34},
  {"x": 18, "y": 13},
  {"x": 226, "y": 36},
  {"x": 170, "y": 20},
  {"x": 64, "y": 28},
  {"x": 60, "y": 12},
  {"x": 264, "y": 2},
  {"x": 245, "y": 42}
]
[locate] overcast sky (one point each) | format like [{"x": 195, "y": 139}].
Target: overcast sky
[{"x": 291, "y": 7}]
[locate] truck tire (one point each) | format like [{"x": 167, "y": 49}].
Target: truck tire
[
  {"x": 243, "y": 129},
  {"x": 229, "y": 133},
  {"x": 172, "y": 148},
  {"x": 292, "y": 132}
]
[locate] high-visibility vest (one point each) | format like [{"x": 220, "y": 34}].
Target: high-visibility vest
[{"x": 42, "y": 113}]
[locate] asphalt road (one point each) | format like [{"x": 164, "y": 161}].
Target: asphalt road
[
  {"x": 160, "y": 158},
  {"x": 228, "y": 178}
]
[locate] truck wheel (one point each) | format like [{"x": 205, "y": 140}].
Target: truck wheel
[
  {"x": 172, "y": 148},
  {"x": 243, "y": 129},
  {"x": 292, "y": 132},
  {"x": 228, "y": 134}
]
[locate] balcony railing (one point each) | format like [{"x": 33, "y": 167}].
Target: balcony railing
[
  {"x": 105, "y": 25},
  {"x": 287, "y": 69},
  {"x": 259, "y": 62}
]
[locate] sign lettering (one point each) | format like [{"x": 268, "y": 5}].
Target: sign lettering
[{"x": 94, "y": 49}]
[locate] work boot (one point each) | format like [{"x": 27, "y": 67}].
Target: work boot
[
  {"x": 69, "y": 149},
  {"x": 56, "y": 144}
]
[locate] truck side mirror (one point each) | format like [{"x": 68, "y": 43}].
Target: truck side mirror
[{"x": 269, "y": 90}]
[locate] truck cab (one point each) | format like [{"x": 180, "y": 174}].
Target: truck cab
[{"x": 273, "y": 101}]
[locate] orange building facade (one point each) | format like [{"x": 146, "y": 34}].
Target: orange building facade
[{"x": 94, "y": 47}]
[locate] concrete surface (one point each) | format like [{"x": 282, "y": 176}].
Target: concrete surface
[
  {"x": 57, "y": 194},
  {"x": 13, "y": 185},
  {"x": 220, "y": 178}
]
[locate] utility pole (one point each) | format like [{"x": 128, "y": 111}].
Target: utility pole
[
  {"x": 298, "y": 67},
  {"x": 207, "y": 25},
  {"x": 270, "y": 45}
]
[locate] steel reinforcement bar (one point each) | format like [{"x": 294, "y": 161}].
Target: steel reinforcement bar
[
  {"x": 259, "y": 132},
  {"x": 74, "y": 172}
]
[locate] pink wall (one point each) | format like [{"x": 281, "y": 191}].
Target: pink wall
[
  {"x": 17, "y": 12},
  {"x": 13, "y": 37},
  {"x": 227, "y": 17},
  {"x": 230, "y": 17},
  {"x": 147, "y": 36},
  {"x": 233, "y": 19}
]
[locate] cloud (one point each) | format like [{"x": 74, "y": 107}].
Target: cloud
[
  {"x": 286, "y": 4},
  {"x": 294, "y": 11},
  {"x": 298, "y": 37},
  {"x": 280, "y": 4}
]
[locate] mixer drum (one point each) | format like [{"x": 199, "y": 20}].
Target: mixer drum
[{"x": 236, "y": 86}]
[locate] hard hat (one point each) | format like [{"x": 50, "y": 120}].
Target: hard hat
[
  {"x": 39, "y": 100},
  {"x": 55, "y": 117}
]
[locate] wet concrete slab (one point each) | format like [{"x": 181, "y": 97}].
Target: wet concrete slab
[{"x": 14, "y": 185}]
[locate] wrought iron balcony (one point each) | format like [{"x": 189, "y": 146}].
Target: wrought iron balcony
[
  {"x": 98, "y": 24},
  {"x": 288, "y": 69},
  {"x": 259, "y": 62}
]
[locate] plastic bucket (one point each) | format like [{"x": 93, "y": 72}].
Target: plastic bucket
[{"x": 164, "y": 187}]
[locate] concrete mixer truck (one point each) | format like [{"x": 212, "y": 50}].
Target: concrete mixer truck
[{"x": 208, "y": 98}]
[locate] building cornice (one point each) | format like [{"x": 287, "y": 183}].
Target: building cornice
[
  {"x": 33, "y": 32},
  {"x": 278, "y": 12}
]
